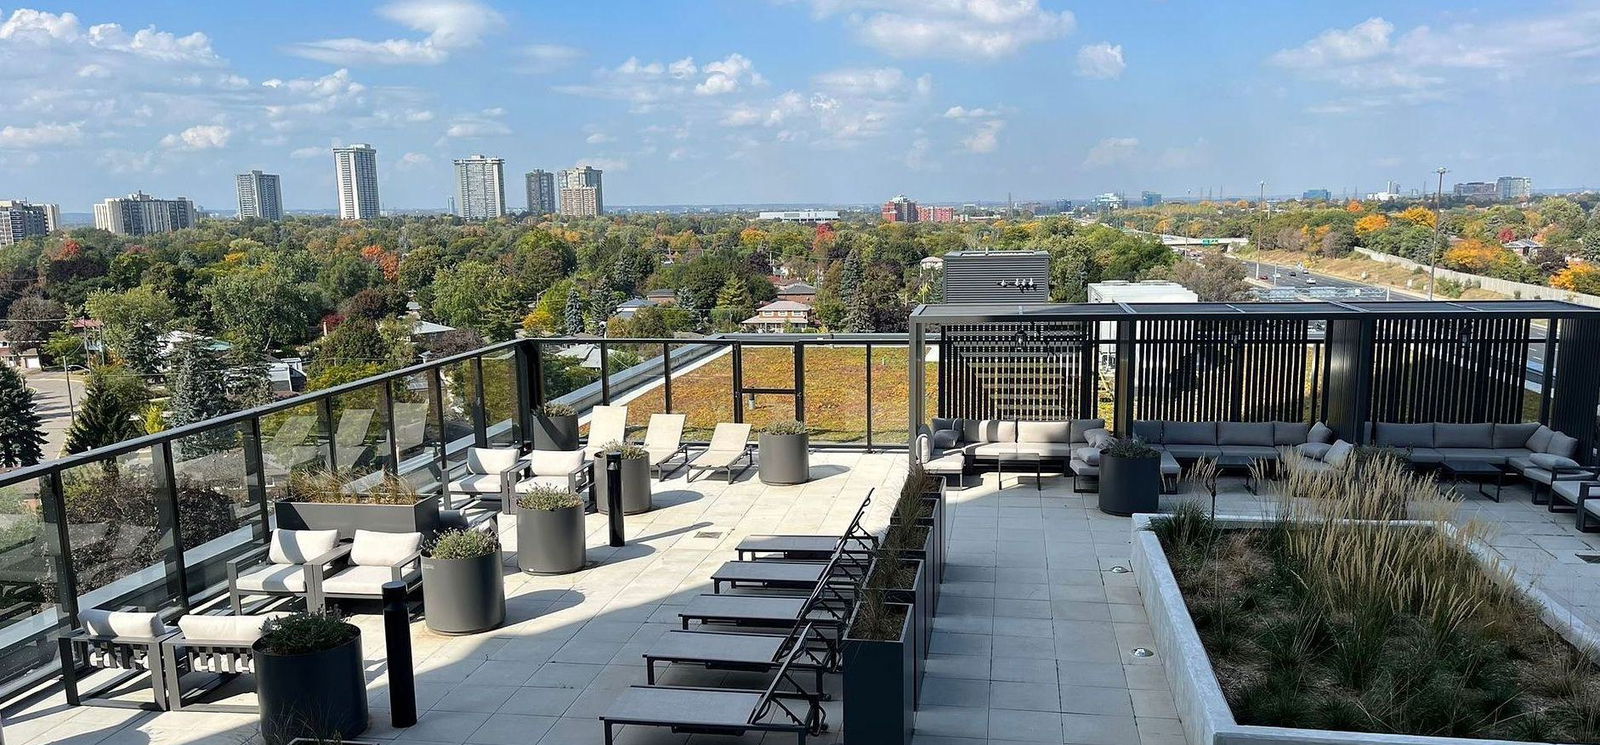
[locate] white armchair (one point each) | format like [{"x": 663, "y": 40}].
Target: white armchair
[
  {"x": 375, "y": 559},
  {"x": 490, "y": 473},
  {"x": 560, "y": 469},
  {"x": 296, "y": 563}
]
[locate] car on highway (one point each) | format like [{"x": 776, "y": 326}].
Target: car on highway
[{"x": 1311, "y": 280}]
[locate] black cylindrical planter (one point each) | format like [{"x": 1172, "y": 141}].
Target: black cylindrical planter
[
  {"x": 550, "y": 541},
  {"x": 555, "y": 432},
  {"x": 1130, "y": 485},
  {"x": 879, "y": 687},
  {"x": 463, "y": 596},
  {"x": 320, "y": 694},
  {"x": 784, "y": 459},
  {"x": 636, "y": 497}
]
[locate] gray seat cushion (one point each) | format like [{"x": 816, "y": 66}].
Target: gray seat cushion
[
  {"x": 1391, "y": 435},
  {"x": 1488, "y": 455},
  {"x": 1047, "y": 449},
  {"x": 1189, "y": 433},
  {"x": 1149, "y": 430},
  {"x": 1245, "y": 433},
  {"x": 1189, "y": 452},
  {"x": 1424, "y": 455},
  {"x": 1290, "y": 433},
  {"x": 1514, "y": 435},
  {"x": 1083, "y": 468},
  {"x": 1463, "y": 436},
  {"x": 988, "y": 430},
  {"x": 1259, "y": 452},
  {"x": 1081, "y": 426},
  {"x": 1044, "y": 432},
  {"x": 1520, "y": 461},
  {"x": 1169, "y": 465},
  {"x": 1569, "y": 490},
  {"x": 990, "y": 449}
]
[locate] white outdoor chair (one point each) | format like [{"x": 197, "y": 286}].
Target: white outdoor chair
[
  {"x": 729, "y": 443},
  {"x": 557, "y": 469},
  {"x": 112, "y": 640},
  {"x": 296, "y": 563},
  {"x": 490, "y": 474},
  {"x": 375, "y": 559},
  {"x": 663, "y": 438},
  {"x": 607, "y": 424},
  {"x": 218, "y": 645}
]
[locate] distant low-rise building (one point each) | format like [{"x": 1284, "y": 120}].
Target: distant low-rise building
[
  {"x": 1316, "y": 195},
  {"x": 662, "y": 297},
  {"x": 1150, "y": 198},
  {"x": 1475, "y": 190},
  {"x": 798, "y": 292},
  {"x": 1524, "y": 247},
  {"x": 1108, "y": 201},
  {"x": 779, "y": 315},
  {"x": 931, "y": 263},
  {"x": 627, "y": 309},
  {"x": 22, "y": 359},
  {"x": 1514, "y": 188},
  {"x": 808, "y": 217},
  {"x": 141, "y": 214},
  {"x": 20, "y": 220},
  {"x": 899, "y": 209}
]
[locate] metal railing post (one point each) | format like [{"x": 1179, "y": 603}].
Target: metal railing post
[
  {"x": 480, "y": 414},
  {"x": 738, "y": 383},
  {"x": 255, "y": 472},
  {"x": 168, "y": 517}
]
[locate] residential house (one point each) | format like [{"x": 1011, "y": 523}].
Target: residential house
[
  {"x": 1524, "y": 247},
  {"x": 780, "y": 315},
  {"x": 628, "y": 308},
  {"x": 798, "y": 292},
  {"x": 662, "y": 297},
  {"x": 18, "y": 358}
]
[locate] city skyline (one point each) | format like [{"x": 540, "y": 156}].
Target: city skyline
[{"x": 1046, "y": 99}]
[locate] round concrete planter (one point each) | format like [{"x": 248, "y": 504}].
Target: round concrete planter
[
  {"x": 1130, "y": 485},
  {"x": 550, "y": 541},
  {"x": 636, "y": 496},
  {"x": 321, "y": 695},
  {"x": 784, "y": 459},
  {"x": 555, "y": 432},
  {"x": 463, "y": 596}
]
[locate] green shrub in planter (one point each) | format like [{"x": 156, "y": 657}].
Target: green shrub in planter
[
  {"x": 462, "y": 591},
  {"x": 550, "y": 531},
  {"x": 785, "y": 427},
  {"x": 309, "y": 680},
  {"x": 557, "y": 409},
  {"x": 555, "y": 427},
  {"x": 635, "y": 471},
  {"x": 627, "y": 450}
]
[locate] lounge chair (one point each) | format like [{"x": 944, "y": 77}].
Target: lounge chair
[
  {"x": 112, "y": 640},
  {"x": 810, "y": 547},
  {"x": 729, "y": 444},
  {"x": 742, "y": 651},
  {"x": 714, "y": 711},
  {"x": 219, "y": 645},
  {"x": 296, "y": 563},
  {"x": 559, "y": 469},
  {"x": 663, "y": 439},
  {"x": 828, "y": 606},
  {"x": 849, "y": 563},
  {"x": 376, "y": 559},
  {"x": 350, "y": 438},
  {"x": 490, "y": 473},
  {"x": 607, "y": 424}
]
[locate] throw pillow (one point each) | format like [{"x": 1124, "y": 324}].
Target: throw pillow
[
  {"x": 1314, "y": 450},
  {"x": 1319, "y": 433},
  {"x": 945, "y": 439},
  {"x": 1098, "y": 438},
  {"x": 1090, "y": 455},
  {"x": 1337, "y": 453},
  {"x": 1549, "y": 462}
]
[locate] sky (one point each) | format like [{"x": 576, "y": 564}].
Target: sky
[{"x": 797, "y": 101}]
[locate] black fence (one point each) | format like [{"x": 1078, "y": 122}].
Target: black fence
[{"x": 149, "y": 524}]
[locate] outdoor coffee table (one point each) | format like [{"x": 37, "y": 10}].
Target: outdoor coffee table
[
  {"x": 1456, "y": 470},
  {"x": 1238, "y": 464},
  {"x": 1024, "y": 457}
]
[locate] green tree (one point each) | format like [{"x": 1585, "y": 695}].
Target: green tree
[
  {"x": 109, "y": 411},
  {"x": 23, "y": 443},
  {"x": 572, "y": 313},
  {"x": 850, "y": 278},
  {"x": 1214, "y": 277},
  {"x": 735, "y": 294},
  {"x": 197, "y": 380},
  {"x": 264, "y": 307},
  {"x": 134, "y": 322},
  {"x": 31, "y": 319},
  {"x": 478, "y": 296}
]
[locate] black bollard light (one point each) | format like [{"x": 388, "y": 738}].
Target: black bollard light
[
  {"x": 397, "y": 645},
  {"x": 613, "y": 461}
]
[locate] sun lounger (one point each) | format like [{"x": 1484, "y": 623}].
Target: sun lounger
[
  {"x": 607, "y": 424},
  {"x": 827, "y": 606},
  {"x": 745, "y": 652},
  {"x": 849, "y": 567},
  {"x": 810, "y": 547},
  {"x": 729, "y": 444},
  {"x": 663, "y": 439},
  {"x": 712, "y": 711}
]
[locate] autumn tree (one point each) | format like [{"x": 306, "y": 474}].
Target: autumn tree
[
  {"x": 1371, "y": 224},
  {"x": 1419, "y": 215},
  {"x": 1580, "y": 277}
]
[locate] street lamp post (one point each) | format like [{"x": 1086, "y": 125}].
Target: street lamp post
[{"x": 1438, "y": 226}]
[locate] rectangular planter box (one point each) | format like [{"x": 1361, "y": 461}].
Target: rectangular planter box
[
  {"x": 917, "y": 596},
  {"x": 932, "y": 552},
  {"x": 421, "y": 517},
  {"x": 1207, "y": 718},
  {"x": 878, "y": 689}
]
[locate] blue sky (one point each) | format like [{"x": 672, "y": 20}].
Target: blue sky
[{"x": 806, "y": 101}]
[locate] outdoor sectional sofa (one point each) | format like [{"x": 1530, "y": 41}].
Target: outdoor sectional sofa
[
  {"x": 988, "y": 439},
  {"x": 1537, "y": 453},
  {"x": 1195, "y": 440}
]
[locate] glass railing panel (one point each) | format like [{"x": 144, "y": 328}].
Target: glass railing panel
[
  {"x": 460, "y": 396},
  {"x": 294, "y": 440},
  {"x": 119, "y": 533},
  {"x": 835, "y": 379},
  {"x": 891, "y": 395},
  {"x": 769, "y": 366},
  {"x": 501, "y": 399},
  {"x": 217, "y": 519},
  {"x": 568, "y": 368},
  {"x": 636, "y": 380},
  {"x": 416, "y": 430},
  {"x": 29, "y": 593},
  {"x": 764, "y": 408},
  {"x": 702, "y": 388},
  {"x": 361, "y": 432}
]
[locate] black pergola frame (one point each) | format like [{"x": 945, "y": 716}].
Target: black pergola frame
[{"x": 1571, "y": 373}]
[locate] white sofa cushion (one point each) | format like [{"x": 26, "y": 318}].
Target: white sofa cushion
[
  {"x": 274, "y": 578},
  {"x": 1098, "y": 438},
  {"x": 988, "y": 430},
  {"x": 121, "y": 623},
  {"x": 300, "y": 546},
  {"x": 1337, "y": 453},
  {"x": 375, "y": 549},
  {"x": 477, "y": 483},
  {"x": 490, "y": 460},
  {"x": 554, "y": 462},
  {"x": 1044, "y": 432},
  {"x": 241, "y": 630},
  {"x": 363, "y": 580}
]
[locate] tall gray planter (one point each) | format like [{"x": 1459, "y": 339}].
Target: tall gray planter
[
  {"x": 463, "y": 596},
  {"x": 550, "y": 541},
  {"x": 320, "y": 695},
  {"x": 555, "y": 432},
  {"x": 1130, "y": 485},
  {"x": 636, "y": 496},
  {"x": 784, "y": 459},
  {"x": 880, "y": 687}
]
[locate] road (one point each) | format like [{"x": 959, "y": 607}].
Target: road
[{"x": 54, "y": 407}]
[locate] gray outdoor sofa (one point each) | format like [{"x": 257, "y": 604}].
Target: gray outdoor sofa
[{"x": 1537, "y": 453}]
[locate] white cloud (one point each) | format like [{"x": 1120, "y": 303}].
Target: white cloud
[
  {"x": 41, "y": 29},
  {"x": 872, "y": 81},
  {"x": 542, "y": 58},
  {"x": 986, "y": 138},
  {"x": 917, "y": 155},
  {"x": 1101, "y": 61},
  {"x": 647, "y": 84},
  {"x": 604, "y": 164},
  {"x": 1364, "y": 41},
  {"x": 725, "y": 76},
  {"x": 962, "y": 112},
  {"x": 303, "y": 153},
  {"x": 958, "y": 29},
  {"x": 1112, "y": 151},
  {"x": 476, "y": 128},
  {"x": 413, "y": 161},
  {"x": 199, "y": 137},
  {"x": 450, "y": 25},
  {"x": 598, "y": 138},
  {"x": 40, "y": 135}
]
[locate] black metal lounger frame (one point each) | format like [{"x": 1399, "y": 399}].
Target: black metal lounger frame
[{"x": 865, "y": 540}]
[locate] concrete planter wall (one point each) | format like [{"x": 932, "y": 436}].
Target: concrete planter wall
[
  {"x": 879, "y": 690},
  {"x": 1207, "y": 718},
  {"x": 420, "y": 517},
  {"x": 320, "y": 695},
  {"x": 636, "y": 496},
  {"x": 784, "y": 459},
  {"x": 1129, "y": 485},
  {"x": 550, "y": 541},
  {"x": 555, "y": 432},
  {"x": 463, "y": 596}
]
